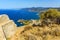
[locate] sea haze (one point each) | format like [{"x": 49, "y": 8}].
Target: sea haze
[{"x": 20, "y": 14}]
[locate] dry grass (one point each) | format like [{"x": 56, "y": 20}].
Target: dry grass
[{"x": 51, "y": 32}]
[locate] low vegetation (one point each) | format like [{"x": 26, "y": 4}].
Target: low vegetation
[
  {"x": 51, "y": 15},
  {"x": 46, "y": 28}
]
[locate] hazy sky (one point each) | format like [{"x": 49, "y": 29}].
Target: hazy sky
[{"x": 11, "y": 4}]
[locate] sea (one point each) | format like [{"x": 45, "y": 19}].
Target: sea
[{"x": 16, "y": 15}]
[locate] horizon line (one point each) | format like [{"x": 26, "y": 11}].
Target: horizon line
[{"x": 28, "y": 7}]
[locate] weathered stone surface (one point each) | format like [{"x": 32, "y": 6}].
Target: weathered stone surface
[
  {"x": 9, "y": 29},
  {"x": 4, "y": 18},
  {"x": 2, "y": 36}
]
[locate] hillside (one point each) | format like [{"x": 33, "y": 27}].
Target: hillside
[
  {"x": 43, "y": 29},
  {"x": 35, "y": 9},
  {"x": 38, "y": 9},
  {"x": 29, "y": 32}
]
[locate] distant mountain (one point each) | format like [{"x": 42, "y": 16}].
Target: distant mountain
[{"x": 37, "y": 9}]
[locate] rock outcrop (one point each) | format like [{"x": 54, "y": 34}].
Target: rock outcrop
[
  {"x": 7, "y": 27},
  {"x": 2, "y": 35}
]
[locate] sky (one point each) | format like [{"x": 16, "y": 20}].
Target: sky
[{"x": 16, "y": 4}]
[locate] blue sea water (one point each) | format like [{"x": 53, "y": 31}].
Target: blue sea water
[{"x": 19, "y": 14}]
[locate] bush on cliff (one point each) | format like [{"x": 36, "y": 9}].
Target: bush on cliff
[{"x": 51, "y": 15}]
